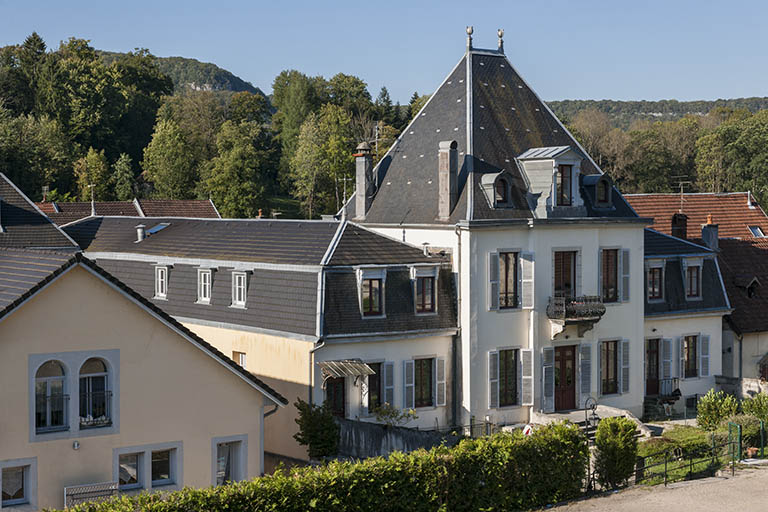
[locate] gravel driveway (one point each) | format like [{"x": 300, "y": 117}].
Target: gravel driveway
[{"x": 747, "y": 491}]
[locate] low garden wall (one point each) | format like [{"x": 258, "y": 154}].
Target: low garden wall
[{"x": 361, "y": 440}]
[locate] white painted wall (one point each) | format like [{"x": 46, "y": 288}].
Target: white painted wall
[{"x": 755, "y": 347}]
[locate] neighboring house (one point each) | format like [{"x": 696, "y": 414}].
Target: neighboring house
[
  {"x": 321, "y": 310},
  {"x": 63, "y": 213},
  {"x": 685, "y": 301},
  {"x": 97, "y": 385},
  {"x": 549, "y": 255}
]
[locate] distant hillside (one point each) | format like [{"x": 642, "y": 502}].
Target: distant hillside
[
  {"x": 193, "y": 74},
  {"x": 623, "y": 113}
]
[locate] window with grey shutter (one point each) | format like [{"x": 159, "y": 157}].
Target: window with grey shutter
[
  {"x": 585, "y": 371},
  {"x": 548, "y": 378},
  {"x": 493, "y": 281},
  {"x": 493, "y": 380},
  {"x": 526, "y": 370},
  {"x": 704, "y": 355},
  {"x": 389, "y": 383},
  {"x": 625, "y": 366},
  {"x": 440, "y": 384},
  {"x": 680, "y": 358},
  {"x": 625, "y": 267},
  {"x": 666, "y": 358},
  {"x": 526, "y": 279},
  {"x": 408, "y": 388}
]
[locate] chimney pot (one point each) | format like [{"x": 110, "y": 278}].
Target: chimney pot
[
  {"x": 141, "y": 233},
  {"x": 260, "y": 212},
  {"x": 447, "y": 178},
  {"x": 363, "y": 180}
]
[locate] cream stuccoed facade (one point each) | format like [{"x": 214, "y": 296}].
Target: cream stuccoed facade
[{"x": 169, "y": 395}]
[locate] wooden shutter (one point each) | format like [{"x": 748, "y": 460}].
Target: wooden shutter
[
  {"x": 666, "y": 358},
  {"x": 364, "y": 393},
  {"x": 600, "y": 273},
  {"x": 548, "y": 379},
  {"x": 704, "y": 355},
  {"x": 680, "y": 358},
  {"x": 625, "y": 353},
  {"x": 440, "y": 385},
  {"x": 625, "y": 267},
  {"x": 585, "y": 372},
  {"x": 526, "y": 279},
  {"x": 577, "y": 274},
  {"x": 493, "y": 380},
  {"x": 526, "y": 367},
  {"x": 600, "y": 356},
  {"x": 493, "y": 281},
  {"x": 388, "y": 382},
  {"x": 684, "y": 270},
  {"x": 409, "y": 388}
]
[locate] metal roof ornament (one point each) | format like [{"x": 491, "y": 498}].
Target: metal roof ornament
[
  {"x": 500, "y": 32},
  {"x": 469, "y": 37}
]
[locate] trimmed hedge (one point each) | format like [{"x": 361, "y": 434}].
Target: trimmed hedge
[
  {"x": 501, "y": 472},
  {"x": 616, "y": 451}
]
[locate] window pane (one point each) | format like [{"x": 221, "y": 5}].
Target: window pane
[
  {"x": 564, "y": 273},
  {"x": 50, "y": 369},
  {"x": 423, "y": 382},
  {"x": 608, "y": 367},
  {"x": 161, "y": 465},
  {"x": 374, "y": 387},
  {"x": 372, "y": 296},
  {"x": 13, "y": 484},
  {"x": 508, "y": 280},
  {"x": 691, "y": 369},
  {"x": 610, "y": 272},
  {"x": 507, "y": 377},
  {"x": 224, "y": 454},
  {"x": 129, "y": 469},
  {"x": 92, "y": 366}
]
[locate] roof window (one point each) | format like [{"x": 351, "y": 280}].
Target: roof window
[
  {"x": 158, "y": 227},
  {"x": 756, "y": 231}
]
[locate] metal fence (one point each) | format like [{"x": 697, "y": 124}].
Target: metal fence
[{"x": 78, "y": 494}]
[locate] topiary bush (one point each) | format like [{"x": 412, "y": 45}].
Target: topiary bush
[
  {"x": 756, "y": 406},
  {"x": 318, "y": 429},
  {"x": 616, "y": 451},
  {"x": 714, "y": 407}
]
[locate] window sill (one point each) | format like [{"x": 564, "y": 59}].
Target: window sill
[
  {"x": 51, "y": 430},
  {"x": 508, "y": 407},
  {"x": 237, "y": 306},
  {"x": 373, "y": 317},
  {"x": 163, "y": 483},
  {"x": 426, "y": 313},
  {"x": 131, "y": 487},
  {"x": 203, "y": 303},
  {"x": 15, "y": 503},
  {"x": 158, "y": 297},
  {"x": 655, "y": 301},
  {"x": 694, "y": 299},
  {"x": 507, "y": 310}
]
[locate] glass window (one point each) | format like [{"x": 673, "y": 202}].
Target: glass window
[
  {"x": 95, "y": 396},
  {"x": 564, "y": 185},
  {"x": 502, "y": 192},
  {"x": 692, "y": 281},
  {"x": 603, "y": 190},
  {"x": 610, "y": 273},
  {"x": 161, "y": 467},
  {"x": 691, "y": 367},
  {"x": 423, "y": 378},
  {"x": 565, "y": 273},
  {"x": 425, "y": 294},
  {"x": 226, "y": 462},
  {"x": 204, "y": 286},
  {"x": 507, "y": 280},
  {"x": 655, "y": 283},
  {"x": 372, "y": 297},
  {"x": 609, "y": 357},
  {"x": 129, "y": 469},
  {"x": 161, "y": 282},
  {"x": 374, "y": 387},
  {"x": 507, "y": 377},
  {"x": 14, "y": 486},
  {"x": 239, "y": 358},
  {"x": 50, "y": 398},
  {"x": 756, "y": 231},
  {"x": 239, "y": 289}
]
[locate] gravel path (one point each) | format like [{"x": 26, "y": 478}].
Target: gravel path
[{"x": 747, "y": 491}]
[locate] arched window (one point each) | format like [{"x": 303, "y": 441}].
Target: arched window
[
  {"x": 95, "y": 395},
  {"x": 50, "y": 398},
  {"x": 603, "y": 191},
  {"x": 502, "y": 192}
]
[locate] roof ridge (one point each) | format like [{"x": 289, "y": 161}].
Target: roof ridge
[{"x": 706, "y": 249}]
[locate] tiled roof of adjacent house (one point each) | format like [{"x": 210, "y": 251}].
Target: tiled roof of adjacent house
[
  {"x": 660, "y": 244},
  {"x": 63, "y": 213},
  {"x": 293, "y": 242},
  {"x": 732, "y": 212},
  {"x": 744, "y": 263},
  {"x": 23, "y": 225},
  {"x": 506, "y": 120},
  {"x": 25, "y": 272}
]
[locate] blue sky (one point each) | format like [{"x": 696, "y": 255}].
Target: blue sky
[{"x": 565, "y": 49}]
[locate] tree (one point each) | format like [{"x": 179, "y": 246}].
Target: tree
[
  {"x": 591, "y": 127},
  {"x": 350, "y": 93},
  {"x": 168, "y": 163},
  {"x": 310, "y": 181},
  {"x": 241, "y": 177},
  {"x": 334, "y": 125},
  {"x": 416, "y": 104},
  {"x": 122, "y": 173},
  {"x": 92, "y": 175},
  {"x": 245, "y": 106},
  {"x": 383, "y": 107}
]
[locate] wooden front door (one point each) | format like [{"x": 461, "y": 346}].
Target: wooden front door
[
  {"x": 652, "y": 368},
  {"x": 334, "y": 396},
  {"x": 565, "y": 378}
]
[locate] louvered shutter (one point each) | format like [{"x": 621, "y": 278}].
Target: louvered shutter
[
  {"x": 577, "y": 282},
  {"x": 684, "y": 270},
  {"x": 680, "y": 358},
  {"x": 600, "y": 357},
  {"x": 527, "y": 278},
  {"x": 409, "y": 388},
  {"x": 364, "y": 392},
  {"x": 493, "y": 380},
  {"x": 585, "y": 372},
  {"x": 704, "y": 355},
  {"x": 666, "y": 358},
  {"x": 440, "y": 385},
  {"x": 625, "y": 353},
  {"x": 600, "y": 273},
  {"x": 388, "y": 381},
  {"x": 625, "y": 267},
  {"x": 526, "y": 367},
  {"x": 548, "y": 379},
  {"x": 493, "y": 281}
]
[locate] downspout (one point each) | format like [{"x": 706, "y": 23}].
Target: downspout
[
  {"x": 740, "y": 337},
  {"x": 456, "y": 341},
  {"x": 273, "y": 411},
  {"x": 320, "y": 344}
]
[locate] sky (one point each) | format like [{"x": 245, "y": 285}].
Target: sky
[{"x": 579, "y": 49}]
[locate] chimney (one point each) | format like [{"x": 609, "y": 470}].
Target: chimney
[
  {"x": 680, "y": 225},
  {"x": 363, "y": 180},
  {"x": 140, "y": 233},
  {"x": 447, "y": 178},
  {"x": 260, "y": 212},
  {"x": 709, "y": 234}
]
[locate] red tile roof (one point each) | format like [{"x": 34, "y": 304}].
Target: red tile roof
[
  {"x": 741, "y": 262},
  {"x": 733, "y": 212},
  {"x": 62, "y": 213}
]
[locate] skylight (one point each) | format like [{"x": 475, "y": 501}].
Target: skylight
[
  {"x": 756, "y": 231},
  {"x": 158, "y": 227}
]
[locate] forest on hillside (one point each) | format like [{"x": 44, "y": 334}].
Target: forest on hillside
[{"x": 86, "y": 123}]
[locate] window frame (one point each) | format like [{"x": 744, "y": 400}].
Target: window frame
[
  {"x": 605, "y": 358},
  {"x": 756, "y": 231},
  {"x": 201, "y": 285},
  {"x": 240, "y": 463},
  {"x": 240, "y": 358},
  {"x": 603, "y": 187},
  {"x": 48, "y": 428},
  {"x": 422, "y": 363},
  {"x": 421, "y": 304},
  {"x": 139, "y": 484},
  {"x": 616, "y": 257},
  {"x": 688, "y": 282},
  {"x": 29, "y": 476},
  {"x": 162, "y": 481},
  {"x": 375, "y": 306},
  {"x": 690, "y": 370},
  {"x": 564, "y": 194},
  {"x": 161, "y": 282},
  {"x": 237, "y": 277},
  {"x": 145, "y": 482},
  {"x": 503, "y": 382},
  {"x": 89, "y": 379},
  {"x": 648, "y": 276},
  {"x": 504, "y": 268},
  {"x": 573, "y": 277},
  {"x": 377, "y": 377}
]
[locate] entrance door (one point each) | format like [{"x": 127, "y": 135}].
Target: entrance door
[
  {"x": 652, "y": 368},
  {"x": 334, "y": 395},
  {"x": 565, "y": 378}
]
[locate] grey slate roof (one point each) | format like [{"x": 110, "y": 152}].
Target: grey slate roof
[
  {"x": 542, "y": 153},
  {"x": 25, "y": 272},
  {"x": 23, "y": 225},
  {"x": 660, "y": 244}
]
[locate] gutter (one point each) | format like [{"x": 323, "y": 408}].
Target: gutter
[{"x": 320, "y": 344}]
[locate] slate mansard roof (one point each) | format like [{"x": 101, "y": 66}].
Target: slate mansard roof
[
  {"x": 25, "y": 272},
  {"x": 66, "y": 212},
  {"x": 745, "y": 271},
  {"x": 494, "y": 117}
]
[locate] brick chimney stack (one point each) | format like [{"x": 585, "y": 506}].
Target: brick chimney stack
[
  {"x": 680, "y": 225},
  {"x": 363, "y": 180},
  {"x": 447, "y": 178}
]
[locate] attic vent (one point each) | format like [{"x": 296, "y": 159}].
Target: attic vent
[{"x": 158, "y": 227}]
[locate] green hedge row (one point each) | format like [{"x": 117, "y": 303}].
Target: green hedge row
[{"x": 501, "y": 472}]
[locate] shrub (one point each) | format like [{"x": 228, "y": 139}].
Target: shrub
[
  {"x": 317, "y": 429},
  {"x": 750, "y": 428},
  {"x": 500, "y": 472},
  {"x": 714, "y": 407},
  {"x": 616, "y": 450},
  {"x": 393, "y": 416},
  {"x": 756, "y": 406}
]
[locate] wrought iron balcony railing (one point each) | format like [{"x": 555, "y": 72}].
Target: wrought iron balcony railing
[
  {"x": 667, "y": 387},
  {"x": 95, "y": 409},
  {"x": 587, "y": 308}
]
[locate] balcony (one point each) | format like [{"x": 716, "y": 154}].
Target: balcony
[
  {"x": 95, "y": 409},
  {"x": 584, "y": 312}
]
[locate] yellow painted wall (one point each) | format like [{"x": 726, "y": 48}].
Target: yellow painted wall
[
  {"x": 169, "y": 390},
  {"x": 283, "y": 363}
]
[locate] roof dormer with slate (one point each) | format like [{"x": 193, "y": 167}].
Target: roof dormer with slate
[{"x": 498, "y": 126}]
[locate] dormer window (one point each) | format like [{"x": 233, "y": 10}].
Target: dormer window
[
  {"x": 603, "y": 193},
  {"x": 370, "y": 289},
  {"x": 502, "y": 191},
  {"x": 563, "y": 185}
]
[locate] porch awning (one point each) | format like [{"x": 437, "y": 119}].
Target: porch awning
[{"x": 344, "y": 368}]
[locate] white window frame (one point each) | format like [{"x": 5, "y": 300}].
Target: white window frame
[
  {"x": 416, "y": 273},
  {"x": 496, "y": 353},
  {"x": 29, "y": 466},
  {"x": 240, "y": 464},
  {"x": 693, "y": 262},
  {"x": 145, "y": 465},
  {"x": 161, "y": 283},
  {"x": 756, "y": 231},
  {"x": 236, "y": 276},
  {"x": 241, "y": 357},
  {"x": 363, "y": 273},
  {"x": 648, "y": 266},
  {"x": 202, "y": 273}
]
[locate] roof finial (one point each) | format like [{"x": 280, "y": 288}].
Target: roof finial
[
  {"x": 500, "y": 32},
  {"x": 469, "y": 37}
]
